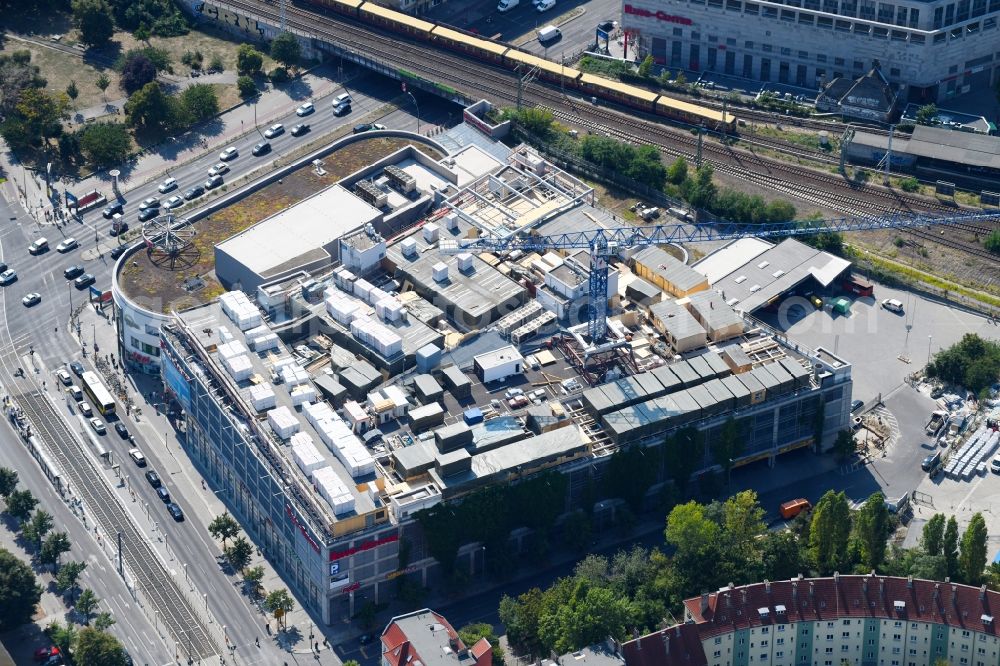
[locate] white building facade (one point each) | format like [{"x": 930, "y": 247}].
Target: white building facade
[{"x": 936, "y": 49}]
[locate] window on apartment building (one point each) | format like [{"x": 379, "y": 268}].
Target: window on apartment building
[
  {"x": 763, "y": 644},
  {"x": 779, "y": 641},
  {"x": 718, "y": 653},
  {"x": 718, "y": 640},
  {"x": 779, "y": 654},
  {"x": 981, "y": 650},
  {"x": 895, "y": 662},
  {"x": 763, "y": 656},
  {"x": 914, "y": 17},
  {"x": 897, "y": 637},
  {"x": 896, "y": 650},
  {"x": 828, "y": 662},
  {"x": 963, "y": 660},
  {"x": 781, "y": 627},
  {"x": 871, "y": 641},
  {"x": 829, "y": 637},
  {"x": 913, "y": 651},
  {"x": 845, "y": 648},
  {"x": 913, "y": 639},
  {"x": 965, "y": 647},
  {"x": 829, "y": 650},
  {"x": 965, "y": 632},
  {"x": 805, "y": 632},
  {"x": 845, "y": 634},
  {"x": 765, "y": 630},
  {"x": 938, "y": 650}
]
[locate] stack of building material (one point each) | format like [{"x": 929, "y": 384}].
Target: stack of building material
[
  {"x": 237, "y": 306},
  {"x": 303, "y": 393},
  {"x": 283, "y": 422},
  {"x": 305, "y": 454},
  {"x": 238, "y": 367},
  {"x": 333, "y": 490},
  {"x": 377, "y": 336},
  {"x": 261, "y": 396}
]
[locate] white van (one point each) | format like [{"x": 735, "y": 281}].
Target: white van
[
  {"x": 545, "y": 5},
  {"x": 40, "y": 245},
  {"x": 507, "y": 5},
  {"x": 892, "y": 305},
  {"x": 548, "y": 33}
]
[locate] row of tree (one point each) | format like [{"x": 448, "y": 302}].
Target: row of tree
[
  {"x": 972, "y": 362},
  {"x": 20, "y": 591},
  {"x": 96, "y": 19},
  {"x": 635, "y": 589}
]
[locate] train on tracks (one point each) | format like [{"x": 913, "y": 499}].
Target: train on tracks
[{"x": 510, "y": 57}]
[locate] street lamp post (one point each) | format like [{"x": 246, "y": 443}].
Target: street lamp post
[
  {"x": 417, "y": 107},
  {"x": 930, "y": 340}
]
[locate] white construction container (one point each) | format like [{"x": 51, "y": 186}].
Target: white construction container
[
  {"x": 389, "y": 309},
  {"x": 440, "y": 271},
  {"x": 362, "y": 288},
  {"x": 451, "y": 221},
  {"x": 305, "y": 454},
  {"x": 464, "y": 261},
  {"x": 409, "y": 247},
  {"x": 265, "y": 342},
  {"x": 293, "y": 375},
  {"x": 376, "y": 295},
  {"x": 343, "y": 308},
  {"x": 431, "y": 232},
  {"x": 333, "y": 490},
  {"x": 303, "y": 393},
  {"x": 377, "y": 336},
  {"x": 238, "y": 367},
  {"x": 225, "y": 334},
  {"x": 318, "y": 410},
  {"x": 262, "y": 397},
  {"x": 231, "y": 349},
  {"x": 283, "y": 422}
]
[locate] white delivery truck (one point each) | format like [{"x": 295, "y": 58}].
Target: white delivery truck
[
  {"x": 548, "y": 33},
  {"x": 507, "y": 5}
]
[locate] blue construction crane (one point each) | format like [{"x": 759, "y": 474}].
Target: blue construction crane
[{"x": 605, "y": 244}]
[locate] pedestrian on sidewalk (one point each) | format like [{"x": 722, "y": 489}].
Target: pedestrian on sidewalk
[{"x": 257, "y": 640}]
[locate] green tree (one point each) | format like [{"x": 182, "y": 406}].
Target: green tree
[
  {"x": 992, "y": 242},
  {"x": 8, "y": 482},
  {"x": 200, "y": 101},
  {"x": 68, "y": 579},
  {"x": 743, "y": 524},
  {"x": 62, "y": 636},
  {"x": 829, "y": 531},
  {"x": 591, "y": 614},
  {"x": 949, "y": 546},
  {"x": 646, "y": 66},
  {"x": 105, "y": 144},
  {"x": 352, "y": 662},
  {"x": 19, "y": 591},
  {"x": 97, "y": 648},
  {"x": 93, "y": 18},
  {"x": 20, "y": 504},
  {"x": 926, "y": 114},
  {"x": 34, "y": 530},
  {"x": 224, "y": 527},
  {"x": 248, "y": 60},
  {"x": 520, "y": 616},
  {"x": 246, "y": 86},
  {"x": 279, "y": 599},
  {"x": 871, "y": 527},
  {"x": 104, "y": 621},
  {"x": 72, "y": 91},
  {"x": 286, "y": 49},
  {"x": 779, "y": 210},
  {"x": 17, "y": 73},
  {"x": 102, "y": 84},
  {"x": 972, "y": 551},
  {"x": 536, "y": 120},
  {"x": 151, "y": 109},
  {"x": 933, "y": 534},
  {"x": 696, "y": 540},
  {"x": 781, "y": 555},
  {"x": 252, "y": 578},
  {"x": 216, "y": 63},
  {"x": 137, "y": 71},
  {"x": 86, "y": 603},
  {"x": 677, "y": 172},
  {"x": 473, "y": 633},
  {"x": 239, "y": 554},
  {"x": 844, "y": 446},
  {"x": 700, "y": 191},
  {"x": 142, "y": 33},
  {"x": 53, "y": 547}
]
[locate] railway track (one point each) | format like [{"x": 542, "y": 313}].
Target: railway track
[{"x": 87, "y": 482}]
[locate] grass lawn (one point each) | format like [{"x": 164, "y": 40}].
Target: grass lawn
[{"x": 59, "y": 68}]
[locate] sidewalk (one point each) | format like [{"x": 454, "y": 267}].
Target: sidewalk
[
  {"x": 302, "y": 633},
  {"x": 28, "y": 188}
]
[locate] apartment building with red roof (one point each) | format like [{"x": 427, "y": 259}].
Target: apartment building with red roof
[{"x": 426, "y": 638}]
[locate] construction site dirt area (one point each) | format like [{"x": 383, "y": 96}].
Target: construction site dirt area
[{"x": 164, "y": 284}]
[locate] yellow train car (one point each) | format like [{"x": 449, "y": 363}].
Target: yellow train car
[
  {"x": 349, "y": 7},
  {"x": 618, "y": 91},
  {"x": 695, "y": 114},
  {"x": 477, "y": 47},
  {"x": 393, "y": 20},
  {"x": 551, "y": 71}
]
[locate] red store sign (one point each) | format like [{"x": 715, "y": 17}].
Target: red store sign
[
  {"x": 367, "y": 545},
  {"x": 659, "y": 15}
]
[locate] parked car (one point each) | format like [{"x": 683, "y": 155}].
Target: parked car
[
  {"x": 194, "y": 192},
  {"x": 84, "y": 281},
  {"x": 300, "y": 129},
  {"x": 305, "y": 109},
  {"x": 67, "y": 244},
  {"x": 167, "y": 185},
  {"x": 77, "y": 368},
  {"x": 893, "y": 305},
  {"x": 116, "y": 207},
  {"x": 122, "y": 430},
  {"x": 8, "y": 276},
  {"x": 137, "y": 457},
  {"x": 153, "y": 478},
  {"x": 84, "y": 408},
  {"x": 931, "y": 462},
  {"x": 32, "y": 299},
  {"x": 219, "y": 169},
  {"x": 98, "y": 426},
  {"x": 175, "y": 511},
  {"x": 229, "y": 153},
  {"x": 368, "y": 127},
  {"x": 148, "y": 214},
  {"x": 149, "y": 202},
  {"x": 163, "y": 493},
  {"x": 514, "y": 392},
  {"x": 261, "y": 148},
  {"x": 173, "y": 202},
  {"x": 995, "y": 465},
  {"x": 38, "y": 246},
  {"x": 274, "y": 130},
  {"x": 856, "y": 405},
  {"x": 64, "y": 377}
]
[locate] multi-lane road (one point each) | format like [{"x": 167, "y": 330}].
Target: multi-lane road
[{"x": 181, "y": 564}]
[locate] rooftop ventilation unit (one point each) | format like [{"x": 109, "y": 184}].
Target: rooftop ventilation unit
[
  {"x": 371, "y": 193},
  {"x": 431, "y": 233},
  {"x": 440, "y": 271},
  {"x": 399, "y": 179}
]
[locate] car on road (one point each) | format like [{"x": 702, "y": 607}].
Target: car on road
[
  {"x": 67, "y": 245},
  {"x": 261, "y": 148},
  {"x": 893, "y": 305},
  {"x": 148, "y": 214},
  {"x": 110, "y": 211},
  {"x": 77, "y": 368},
  {"x": 84, "y": 408},
  {"x": 98, "y": 426},
  {"x": 368, "y": 127},
  {"x": 856, "y": 405},
  {"x": 38, "y": 246},
  {"x": 122, "y": 430},
  {"x": 229, "y": 153},
  {"x": 513, "y": 393},
  {"x": 64, "y": 377},
  {"x": 219, "y": 169},
  {"x": 8, "y": 276},
  {"x": 149, "y": 202},
  {"x": 300, "y": 129},
  {"x": 175, "y": 511},
  {"x": 163, "y": 493},
  {"x": 84, "y": 281},
  {"x": 137, "y": 457},
  {"x": 75, "y": 393},
  {"x": 167, "y": 185},
  {"x": 73, "y": 271},
  {"x": 305, "y": 109},
  {"x": 173, "y": 202},
  {"x": 153, "y": 478},
  {"x": 118, "y": 251},
  {"x": 274, "y": 130},
  {"x": 212, "y": 182},
  {"x": 194, "y": 192},
  {"x": 32, "y": 299}
]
